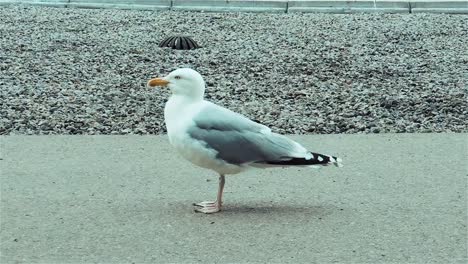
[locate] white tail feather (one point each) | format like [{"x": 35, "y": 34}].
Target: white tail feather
[{"x": 338, "y": 162}]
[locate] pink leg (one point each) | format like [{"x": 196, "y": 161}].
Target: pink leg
[{"x": 212, "y": 207}]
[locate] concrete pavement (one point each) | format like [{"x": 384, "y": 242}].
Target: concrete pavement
[
  {"x": 279, "y": 6},
  {"x": 401, "y": 198}
]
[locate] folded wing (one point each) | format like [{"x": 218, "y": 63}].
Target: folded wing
[{"x": 238, "y": 140}]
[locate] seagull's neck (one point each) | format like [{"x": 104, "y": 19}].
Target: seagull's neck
[
  {"x": 184, "y": 100},
  {"x": 178, "y": 104},
  {"x": 178, "y": 111}
]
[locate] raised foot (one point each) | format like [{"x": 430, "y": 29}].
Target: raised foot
[{"x": 207, "y": 207}]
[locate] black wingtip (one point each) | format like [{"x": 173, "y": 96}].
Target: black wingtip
[{"x": 315, "y": 159}]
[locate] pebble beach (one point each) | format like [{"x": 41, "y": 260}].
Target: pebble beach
[{"x": 84, "y": 71}]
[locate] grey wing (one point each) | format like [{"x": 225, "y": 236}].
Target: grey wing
[
  {"x": 219, "y": 118},
  {"x": 239, "y": 140}
]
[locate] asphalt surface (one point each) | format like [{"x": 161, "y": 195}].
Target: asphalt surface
[{"x": 401, "y": 198}]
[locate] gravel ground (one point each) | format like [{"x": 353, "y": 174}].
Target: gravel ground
[{"x": 79, "y": 71}]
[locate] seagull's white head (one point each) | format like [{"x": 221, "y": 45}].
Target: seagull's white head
[{"x": 183, "y": 81}]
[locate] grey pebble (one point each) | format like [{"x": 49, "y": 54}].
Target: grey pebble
[{"x": 82, "y": 71}]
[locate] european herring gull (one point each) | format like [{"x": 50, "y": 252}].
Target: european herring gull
[{"x": 219, "y": 139}]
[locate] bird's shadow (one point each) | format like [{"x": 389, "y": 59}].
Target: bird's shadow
[{"x": 278, "y": 210}]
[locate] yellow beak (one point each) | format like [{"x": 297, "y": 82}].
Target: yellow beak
[{"x": 157, "y": 82}]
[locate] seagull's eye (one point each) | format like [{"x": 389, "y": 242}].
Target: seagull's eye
[{"x": 177, "y": 77}]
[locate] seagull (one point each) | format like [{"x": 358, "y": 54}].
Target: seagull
[{"x": 224, "y": 141}]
